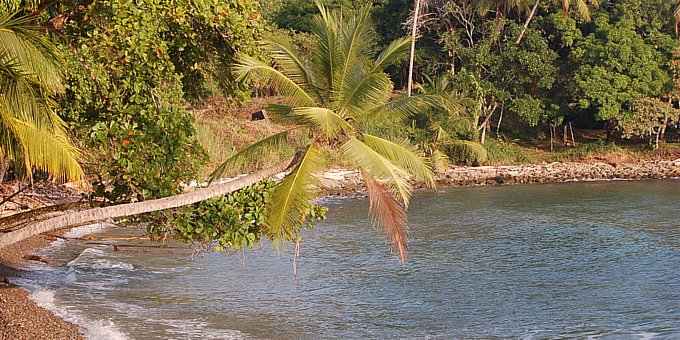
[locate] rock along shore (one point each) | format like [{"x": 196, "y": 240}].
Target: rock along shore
[{"x": 345, "y": 182}]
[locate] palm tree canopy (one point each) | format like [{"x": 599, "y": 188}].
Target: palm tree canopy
[
  {"x": 31, "y": 133},
  {"x": 582, "y": 7},
  {"x": 331, "y": 93}
]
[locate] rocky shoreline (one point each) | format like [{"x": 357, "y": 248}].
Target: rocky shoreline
[
  {"x": 21, "y": 318},
  {"x": 346, "y": 182}
]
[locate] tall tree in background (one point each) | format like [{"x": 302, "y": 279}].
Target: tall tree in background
[
  {"x": 414, "y": 33},
  {"x": 582, "y": 11},
  {"x": 31, "y": 133},
  {"x": 342, "y": 87}
]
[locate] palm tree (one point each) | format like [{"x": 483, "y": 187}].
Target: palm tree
[
  {"x": 339, "y": 89},
  {"x": 32, "y": 136},
  {"x": 582, "y": 11}
]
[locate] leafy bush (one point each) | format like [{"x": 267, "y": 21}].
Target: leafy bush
[
  {"x": 131, "y": 67},
  {"x": 585, "y": 150},
  {"x": 502, "y": 152},
  {"x": 234, "y": 221},
  {"x": 465, "y": 152}
]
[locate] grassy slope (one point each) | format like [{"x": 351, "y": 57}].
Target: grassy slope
[{"x": 223, "y": 130}]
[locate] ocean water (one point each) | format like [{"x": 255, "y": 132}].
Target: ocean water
[{"x": 577, "y": 260}]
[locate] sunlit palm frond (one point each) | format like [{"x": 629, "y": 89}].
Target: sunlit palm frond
[
  {"x": 401, "y": 107},
  {"x": 251, "y": 153},
  {"x": 388, "y": 216},
  {"x": 31, "y": 141},
  {"x": 404, "y": 155},
  {"x": 250, "y": 67},
  {"x": 356, "y": 41},
  {"x": 291, "y": 196},
  {"x": 378, "y": 167},
  {"x": 582, "y": 10},
  {"x": 440, "y": 161},
  {"x": 33, "y": 52},
  {"x": 394, "y": 52},
  {"x": 287, "y": 56},
  {"x": 325, "y": 120},
  {"x": 326, "y": 56},
  {"x": 33, "y": 136},
  {"x": 363, "y": 90}
]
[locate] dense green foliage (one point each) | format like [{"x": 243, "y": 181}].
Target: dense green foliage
[
  {"x": 132, "y": 68},
  {"x": 234, "y": 221}
]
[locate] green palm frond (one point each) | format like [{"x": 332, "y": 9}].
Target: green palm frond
[
  {"x": 250, "y": 153},
  {"x": 363, "y": 90},
  {"x": 325, "y": 120},
  {"x": 401, "y": 107},
  {"x": 292, "y": 196},
  {"x": 378, "y": 167},
  {"x": 21, "y": 43},
  {"x": 250, "y": 67},
  {"x": 33, "y": 136},
  {"x": 326, "y": 56},
  {"x": 388, "y": 216},
  {"x": 404, "y": 155},
  {"x": 466, "y": 152},
  {"x": 440, "y": 161},
  {"x": 287, "y": 56},
  {"x": 355, "y": 45},
  {"x": 394, "y": 52}
]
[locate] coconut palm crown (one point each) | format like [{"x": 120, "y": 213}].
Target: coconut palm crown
[
  {"x": 31, "y": 134},
  {"x": 330, "y": 94}
]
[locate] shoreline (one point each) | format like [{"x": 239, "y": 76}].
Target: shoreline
[
  {"x": 342, "y": 182},
  {"x": 21, "y": 318}
]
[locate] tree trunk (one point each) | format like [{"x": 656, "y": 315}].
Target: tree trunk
[
  {"x": 526, "y": 24},
  {"x": 4, "y": 164},
  {"x": 414, "y": 31},
  {"x": 121, "y": 210}
]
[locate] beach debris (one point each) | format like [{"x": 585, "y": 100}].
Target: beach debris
[
  {"x": 88, "y": 237},
  {"x": 35, "y": 258}
]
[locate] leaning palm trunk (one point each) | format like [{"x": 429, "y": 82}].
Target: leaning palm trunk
[
  {"x": 121, "y": 210},
  {"x": 526, "y": 24}
]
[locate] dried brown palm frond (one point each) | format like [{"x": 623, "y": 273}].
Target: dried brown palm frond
[{"x": 388, "y": 216}]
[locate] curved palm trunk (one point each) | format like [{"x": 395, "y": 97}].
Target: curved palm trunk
[
  {"x": 526, "y": 24},
  {"x": 97, "y": 214},
  {"x": 416, "y": 12}
]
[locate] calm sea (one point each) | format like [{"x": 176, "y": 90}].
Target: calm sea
[{"x": 577, "y": 260}]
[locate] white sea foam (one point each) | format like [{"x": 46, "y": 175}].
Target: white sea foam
[
  {"x": 94, "y": 329},
  {"x": 87, "y": 229},
  {"x": 93, "y": 258}
]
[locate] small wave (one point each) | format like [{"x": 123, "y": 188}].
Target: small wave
[
  {"x": 94, "y": 329},
  {"x": 92, "y": 257}
]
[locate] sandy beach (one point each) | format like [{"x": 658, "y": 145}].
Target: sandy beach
[{"x": 21, "y": 318}]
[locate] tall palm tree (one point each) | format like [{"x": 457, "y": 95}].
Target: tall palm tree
[
  {"x": 582, "y": 11},
  {"x": 32, "y": 136},
  {"x": 332, "y": 94}
]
